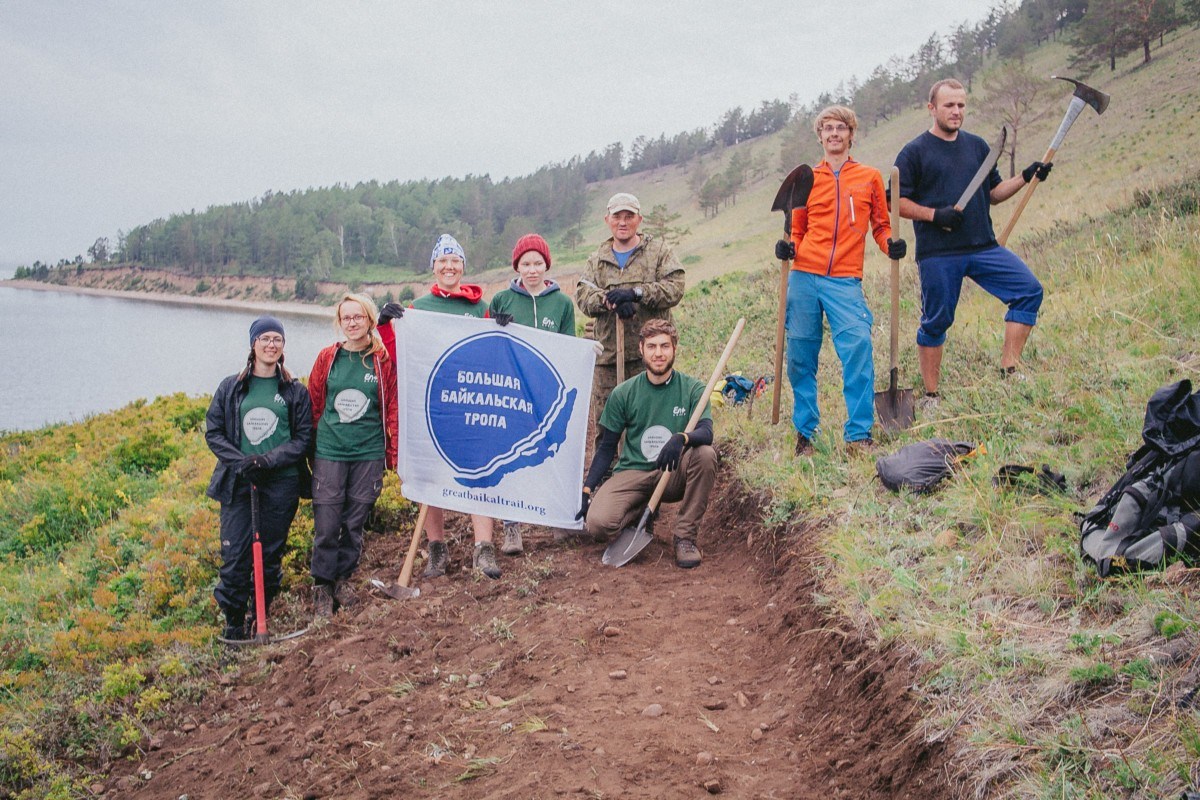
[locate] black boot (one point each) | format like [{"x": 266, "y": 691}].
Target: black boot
[{"x": 439, "y": 559}]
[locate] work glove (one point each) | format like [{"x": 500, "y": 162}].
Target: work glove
[
  {"x": 785, "y": 250},
  {"x": 252, "y": 467},
  {"x": 948, "y": 217},
  {"x": 390, "y": 312},
  {"x": 503, "y": 319},
  {"x": 1037, "y": 168},
  {"x": 626, "y": 310},
  {"x": 584, "y": 502},
  {"x": 618, "y": 296},
  {"x": 897, "y": 249},
  {"x": 672, "y": 451}
]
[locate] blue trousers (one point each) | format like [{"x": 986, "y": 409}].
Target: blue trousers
[
  {"x": 998, "y": 272},
  {"x": 841, "y": 301}
]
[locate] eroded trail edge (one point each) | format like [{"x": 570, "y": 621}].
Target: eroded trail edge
[{"x": 566, "y": 678}]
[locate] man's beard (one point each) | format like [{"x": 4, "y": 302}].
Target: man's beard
[{"x": 664, "y": 371}]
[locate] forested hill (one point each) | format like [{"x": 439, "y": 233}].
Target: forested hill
[{"x": 369, "y": 231}]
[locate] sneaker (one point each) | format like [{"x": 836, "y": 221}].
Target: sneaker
[
  {"x": 322, "y": 601},
  {"x": 687, "y": 555},
  {"x": 804, "y": 445},
  {"x": 1011, "y": 374},
  {"x": 439, "y": 559},
  {"x": 484, "y": 560},
  {"x": 235, "y": 633},
  {"x": 512, "y": 539},
  {"x": 929, "y": 404},
  {"x": 344, "y": 595}
]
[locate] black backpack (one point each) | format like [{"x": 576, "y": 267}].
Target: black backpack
[
  {"x": 921, "y": 466},
  {"x": 1150, "y": 513}
]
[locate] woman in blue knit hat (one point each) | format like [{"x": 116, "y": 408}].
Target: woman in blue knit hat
[{"x": 259, "y": 426}]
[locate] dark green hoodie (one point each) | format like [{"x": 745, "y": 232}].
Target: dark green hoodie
[{"x": 549, "y": 311}]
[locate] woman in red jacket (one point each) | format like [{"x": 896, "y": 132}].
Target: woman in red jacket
[{"x": 353, "y": 390}]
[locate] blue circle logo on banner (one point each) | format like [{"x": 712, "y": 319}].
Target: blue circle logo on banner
[{"x": 494, "y": 404}]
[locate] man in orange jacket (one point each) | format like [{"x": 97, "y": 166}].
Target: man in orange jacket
[{"x": 829, "y": 236}]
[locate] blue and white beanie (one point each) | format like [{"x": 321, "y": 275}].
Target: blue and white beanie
[{"x": 447, "y": 245}]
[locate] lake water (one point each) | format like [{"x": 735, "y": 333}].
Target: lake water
[{"x": 67, "y": 355}]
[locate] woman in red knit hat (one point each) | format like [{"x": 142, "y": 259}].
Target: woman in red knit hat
[{"x": 532, "y": 300}]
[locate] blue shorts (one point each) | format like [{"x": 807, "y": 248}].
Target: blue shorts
[{"x": 998, "y": 272}]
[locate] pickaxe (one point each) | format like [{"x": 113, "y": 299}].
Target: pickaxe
[{"x": 1084, "y": 96}]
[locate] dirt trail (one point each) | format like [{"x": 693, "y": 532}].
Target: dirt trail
[{"x": 592, "y": 682}]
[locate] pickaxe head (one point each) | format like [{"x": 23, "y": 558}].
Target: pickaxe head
[{"x": 1093, "y": 97}]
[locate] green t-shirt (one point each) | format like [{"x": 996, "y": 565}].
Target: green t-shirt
[
  {"x": 265, "y": 423},
  {"x": 450, "y": 305},
  {"x": 351, "y": 428},
  {"x": 650, "y": 415}
]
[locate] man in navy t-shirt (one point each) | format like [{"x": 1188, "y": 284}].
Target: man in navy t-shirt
[{"x": 953, "y": 244}]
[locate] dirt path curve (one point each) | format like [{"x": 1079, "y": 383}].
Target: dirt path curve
[{"x": 564, "y": 678}]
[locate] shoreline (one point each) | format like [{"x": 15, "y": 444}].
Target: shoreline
[{"x": 300, "y": 309}]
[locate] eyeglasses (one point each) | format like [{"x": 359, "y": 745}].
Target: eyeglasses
[
  {"x": 356, "y": 318},
  {"x": 269, "y": 340},
  {"x": 834, "y": 128}
]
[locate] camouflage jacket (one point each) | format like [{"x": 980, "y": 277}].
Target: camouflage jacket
[{"x": 653, "y": 267}]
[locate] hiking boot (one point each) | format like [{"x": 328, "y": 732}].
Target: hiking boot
[
  {"x": 687, "y": 555},
  {"x": 322, "y": 601},
  {"x": 512, "y": 539},
  {"x": 484, "y": 560},
  {"x": 344, "y": 595},
  {"x": 235, "y": 633},
  {"x": 439, "y": 559},
  {"x": 861, "y": 446},
  {"x": 804, "y": 445},
  {"x": 930, "y": 404}
]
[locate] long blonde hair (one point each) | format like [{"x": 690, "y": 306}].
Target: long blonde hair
[{"x": 368, "y": 307}]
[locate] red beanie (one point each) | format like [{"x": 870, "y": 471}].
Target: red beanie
[{"x": 531, "y": 241}]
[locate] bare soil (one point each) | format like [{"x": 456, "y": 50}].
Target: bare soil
[{"x": 564, "y": 678}]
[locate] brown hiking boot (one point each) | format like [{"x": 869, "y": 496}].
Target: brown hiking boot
[
  {"x": 439, "y": 559},
  {"x": 484, "y": 560},
  {"x": 513, "y": 546},
  {"x": 344, "y": 595},
  {"x": 322, "y": 601},
  {"x": 804, "y": 445},
  {"x": 861, "y": 447},
  {"x": 687, "y": 555}
]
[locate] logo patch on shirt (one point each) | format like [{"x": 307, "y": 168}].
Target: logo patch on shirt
[
  {"x": 679, "y": 411},
  {"x": 350, "y": 405}
]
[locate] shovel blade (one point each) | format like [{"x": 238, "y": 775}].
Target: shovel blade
[
  {"x": 633, "y": 540},
  {"x": 895, "y": 409},
  {"x": 395, "y": 590}
]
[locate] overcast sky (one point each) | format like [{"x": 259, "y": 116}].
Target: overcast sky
[{"x": 115, "y": 113}]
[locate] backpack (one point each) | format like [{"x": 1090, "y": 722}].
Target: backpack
[
  {"x": 921, "y": 466},
  {"x": 1150, "y": 513}
]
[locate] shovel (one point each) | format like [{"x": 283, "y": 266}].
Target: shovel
[
  {"x": 400, "y": 590},
  {"x": 793, "y": 193},
  {"x": 261, "y": 635},
  {"x": 634, "y": 539},
  {"x": 894, "y": 406}
]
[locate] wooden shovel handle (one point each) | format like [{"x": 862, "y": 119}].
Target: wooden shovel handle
[
  {"x": 698, "y": 411},
  {"x": 410, "y": 559},
  {"x": 1028, "y": 193},
  {"x": 784, "y": 269},
  {"x": 620, "y": 323}
]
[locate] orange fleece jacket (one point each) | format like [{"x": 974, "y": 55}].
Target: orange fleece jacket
[{"x": 830, "y": 232}]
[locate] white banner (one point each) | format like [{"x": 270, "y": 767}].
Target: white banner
[{"x": 492, "y": 420}]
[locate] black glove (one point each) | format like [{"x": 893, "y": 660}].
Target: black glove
[
  {"x": 502, "y": 319},
  {"x": 626, "y": 310},
  {"x": 897, "y": 249},
  {"x": 672, "y": 451},
  {"x": 1037, "y": 168},
  {"x": 785, "y": 250},
  {"x": 948, "y": 217},
  {"x": 252, "y": 467},
  {"x": 618, "y": 296},
  {"x": 584, "y": 503},
  {"x": 390, "y": 312}
]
